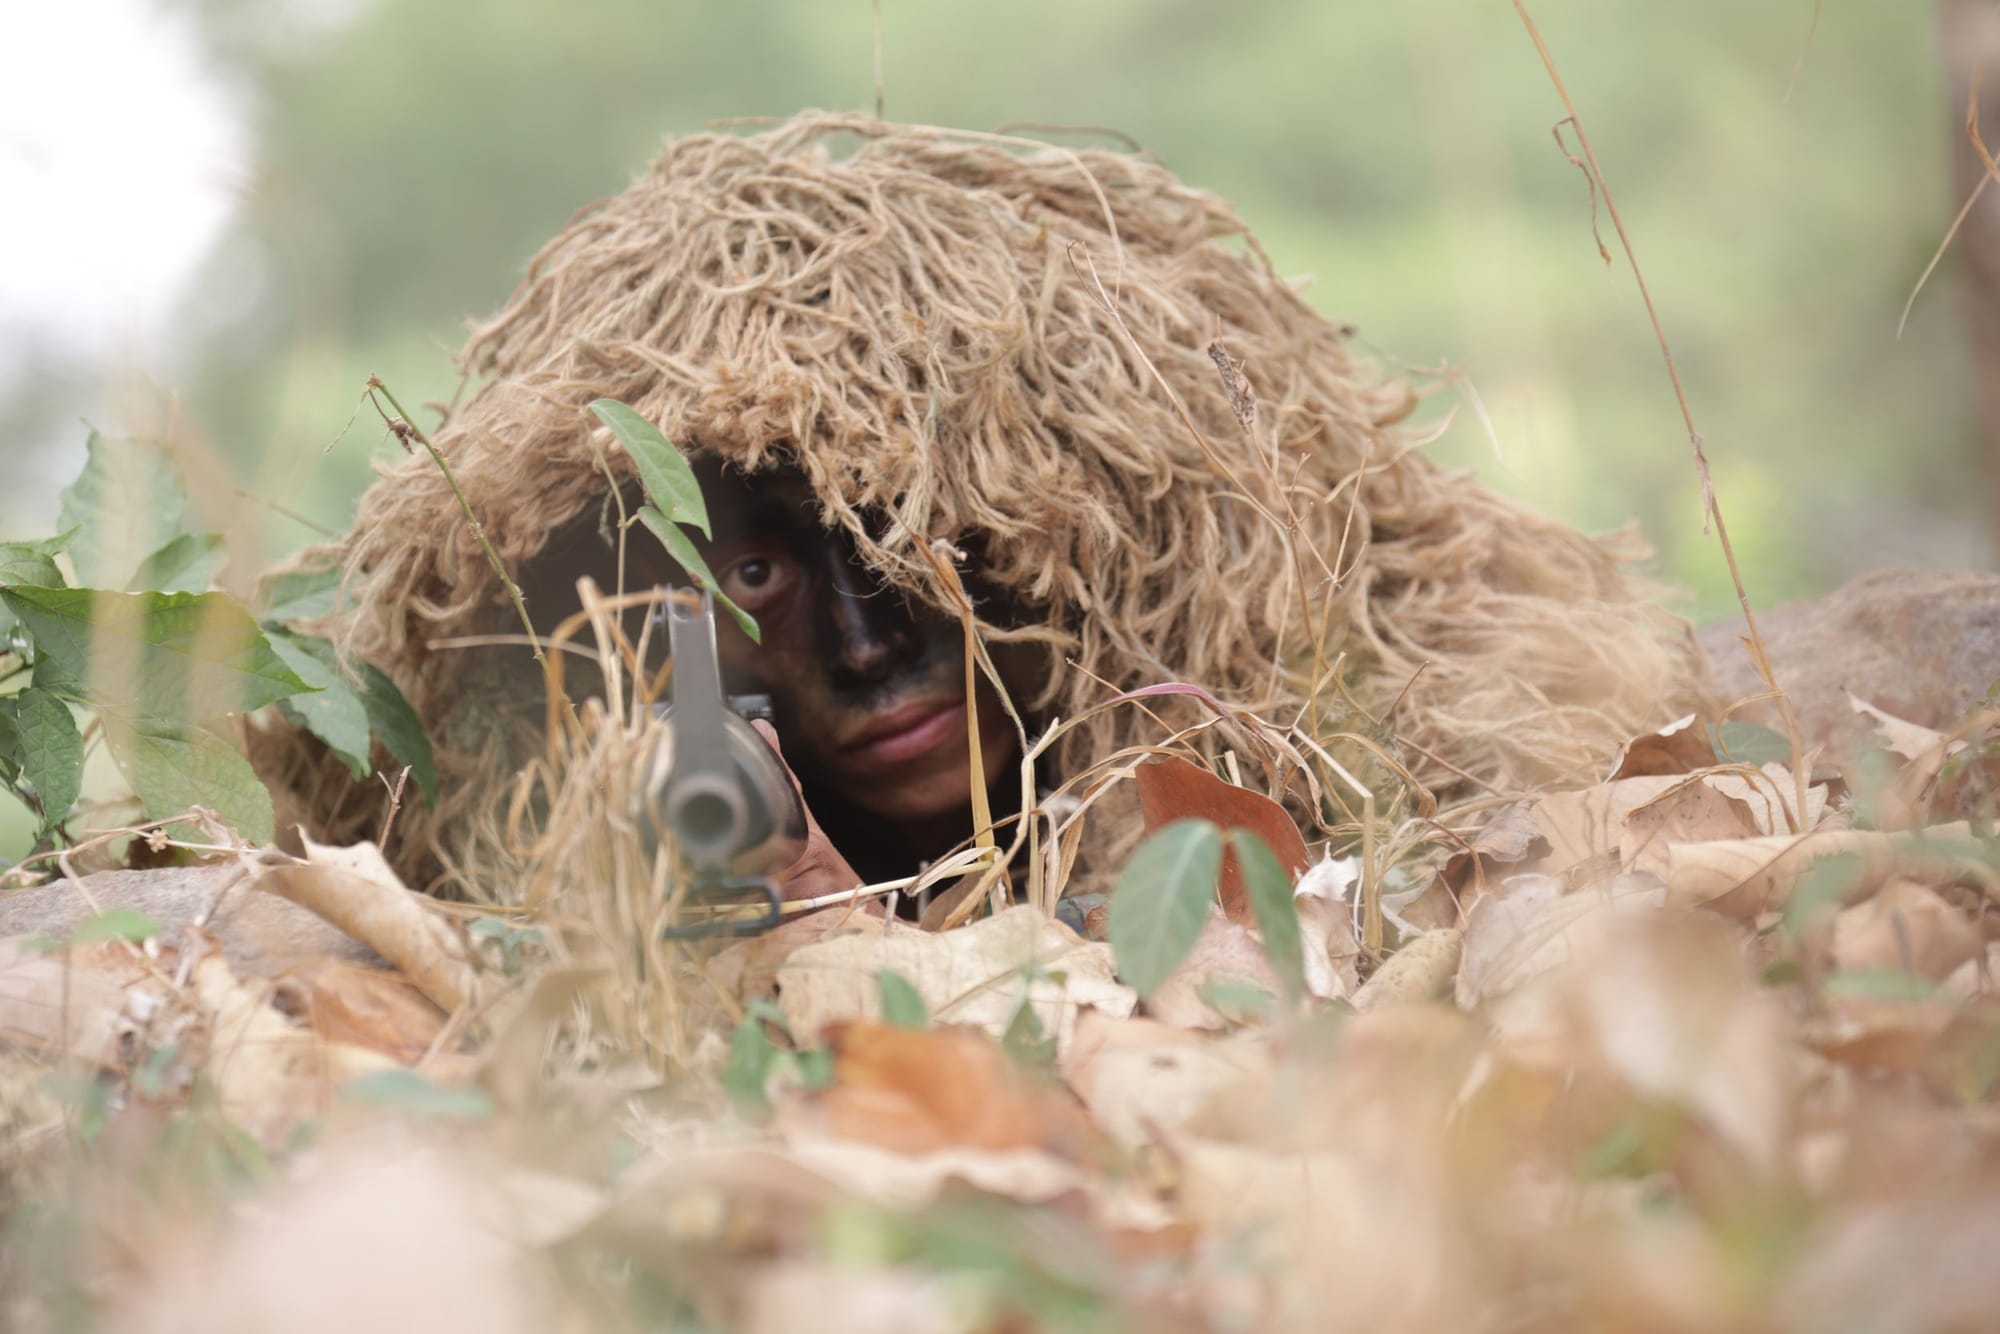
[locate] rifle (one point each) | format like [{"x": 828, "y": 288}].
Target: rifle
[{"x": 719, "y": 791}]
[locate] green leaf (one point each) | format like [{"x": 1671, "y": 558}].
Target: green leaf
[
  {"x": 1750, "y": 743},
  {"x": 173, "y": 767},
  {"x": 1824, "y": 887},
  {"x": 1269, "y": 890},
  {"x": 1027, "y": 1041},
  {"x": 752, "y": 1057},
  {"x": 1237, "y": 999},
  {"x": 1161, "y": 901},
  {"x": 397, "y": 724},
  {"x": 407, "y": 1091},
  {"x": 902, "y": 1005},
  {"x": 154, "y": 655},
  {"x": 334, "y": 713},
  {"x": 815, "y": 1066},
  {"x": 10, "y": 742},
  {"x": 1888, "y": 984},
  {"x": 669, "y": 481},
  {"x": 51, "y": 752},
  {"x": 681, "y": 547},
  {"x": 120, "y": 923},
  {"x": 187, "y": 564},
  {"x": 126, "y": 503},
  {"x": 300, "y": 595},
  {"x": 31, "y": 564}
]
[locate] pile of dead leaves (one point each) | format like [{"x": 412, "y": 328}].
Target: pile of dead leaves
[{"x": 1710, "y": 1046}]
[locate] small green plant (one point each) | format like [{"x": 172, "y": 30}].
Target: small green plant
[
  {"x": 1162, "y": 901},
  {"x": 673, "y": 496},
  {"x": 160, "y": 662}
]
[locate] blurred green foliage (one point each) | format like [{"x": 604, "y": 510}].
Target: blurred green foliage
[{"x": 412, "y": 156}]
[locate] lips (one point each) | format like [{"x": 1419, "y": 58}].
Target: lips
[{"x": 906, "y": 732}]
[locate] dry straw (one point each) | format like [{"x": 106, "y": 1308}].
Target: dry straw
[{"x": 1082, "y": 367}]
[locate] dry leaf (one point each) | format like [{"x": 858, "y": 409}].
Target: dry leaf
[
  {"x": 1904, "y": 927},
  {"x": 1140, "y": 1078},
  {"x": 78, "y": 1003},
  {"x": 1588, "y": 823},
  {"x": 1424, "y": 969},
  {"x": 354, "y": 888},
  {"x": 1692, "y": 811},
  {"x": 1324, "y": 900},
  {"x": 1172, "y": 789},
  {"x": 1742, "y": 878},
  {"x": 361, "y": 1006},
  {"x": 270, "y": 1076},
  {"x": 921, "y": 1090},
  {"x": 1680, "y": 747},
  {"x": 1905, "y": 739},
  {"x": 1226, "y": 951},
  {"x": 977, "y": 974}
]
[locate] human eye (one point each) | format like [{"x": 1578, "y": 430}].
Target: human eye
[{"x": 758, "y": 579}]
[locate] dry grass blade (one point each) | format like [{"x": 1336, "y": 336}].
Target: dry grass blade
[{"x": 1712, "y": 511}]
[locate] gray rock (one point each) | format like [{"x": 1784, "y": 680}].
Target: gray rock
[
  {"x": 1921, "y": 644},
  {"x": 262, "y": 935}
]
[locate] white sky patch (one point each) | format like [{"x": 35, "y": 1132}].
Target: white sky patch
[{"x": 118, "y": 154}]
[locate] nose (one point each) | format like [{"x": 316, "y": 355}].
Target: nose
[{"x": 867, "y": 631}]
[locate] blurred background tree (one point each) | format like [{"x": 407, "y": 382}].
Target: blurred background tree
[{"x": 1785, "y": 173}]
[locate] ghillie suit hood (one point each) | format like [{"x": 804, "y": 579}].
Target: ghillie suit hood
[{"x": 1031, "y": 348}]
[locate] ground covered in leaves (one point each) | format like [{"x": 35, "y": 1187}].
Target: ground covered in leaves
[{"x": 1703, "y": 1047}]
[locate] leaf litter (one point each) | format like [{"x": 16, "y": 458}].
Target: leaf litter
[{"x": 1683, "y": 1054}]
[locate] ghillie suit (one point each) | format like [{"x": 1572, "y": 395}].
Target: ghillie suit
[{"x": 1027, "y": 349}]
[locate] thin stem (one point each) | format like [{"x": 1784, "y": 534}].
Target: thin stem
[
  {"x": 1754, "y": 641},
  {"x": 415, "y": 432}
]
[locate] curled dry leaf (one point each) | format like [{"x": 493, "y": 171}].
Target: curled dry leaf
[
  {"x": 1907, "y": 740},
  {"x": 1694, "y": 810},
  {"x": 354, "y": 889},
  {"x": 1742, "y": 878},
  {"x": 748, "y": 969},
  {"x": 1140, "y": 1078},
  {"x": 1424, "y": 969},
  {"x": 976, "y": 975},
  {"x": 1663, "y": 1003},
  {"x": 1530, "y": 926},
  {"x": 918, "y": 1091},
  {"x": 1324, "y": 898},
  {"x": 361, "y": 1006},
  {"x": 1681, "y": 747},
  {"x": 270, "y": 1076},
  {"x": 1501, "y": 846},
  {"x": 1904, "y": 927}
]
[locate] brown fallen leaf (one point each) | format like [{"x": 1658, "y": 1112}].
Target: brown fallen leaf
[
  {"x": 1741, "y": 878},
  {"x": 75, "y": 1003},
  {"x": 921, "y": 1090},
  {"x": 1140, "y": 1078},
  {"x": 1424, "y": 969},
  {"x": 1680, "y": 747},
  {"x": 270, "y": 1075},
  {"x": 1172, "y": 789},
  {"x": 355, "y": 889},
  {"x": 1692, "y": 811},
  {"x": 362, "y": 1006},
  {"x": 977, "y": 975},
  {"x": 1590, "y": 822},
  {"x": 1500, "y": 847},
  {"x": 1904, "y": 927},
  {"x": 1226, "y": 951}
]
